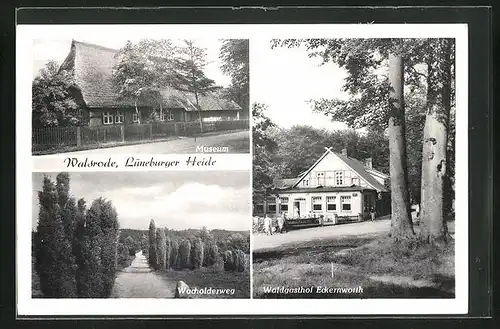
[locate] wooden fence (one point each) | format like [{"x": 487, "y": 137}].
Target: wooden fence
[{"x": 74, "y": 138}]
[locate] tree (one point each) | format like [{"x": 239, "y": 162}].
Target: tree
[
  {"x": 91, "y": 276},
  {"x": 376, "y": 101},
  {"x": 174, "y": 259},
  {"x": 168, "y": 252},
  {"x": 52, "y": 102},
  {"x": 54, "y": 259},
  {"x": 401, "y": 223},
  {"x": 79, "y": 246},
  {"x": 263, "y": 148},
  {"x": 435, "y": 144},
  {"x": 161, "y": 249},
  {"x": 153, "y": 262},
  {"x": 190, "y": 76},
  {"x": 109, "y": 229},
  {"x": 142, "y": 70},
  {"x": 234, "y": 54},
  {"x": 185, "y": 254},
  {"x": 198, "y": 250},
  {"x": 212, "y": 253},
  {"x": 130, "y": 244}
]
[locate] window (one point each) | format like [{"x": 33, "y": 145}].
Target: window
[
  {"x": 283, "y": 204},
  {"x": 271, "y": 207},
  {"x": 305, "y": 182},
  {"x": 316, "y": 203},
  {"x": 170, "y": 116},
  {"x": 330, "y": 203},
  {"x": 355, "y": 181},
  {"x": 107, "y": 118},
  {"x": 162, "y": 115},
  {"x": 119, "y": 117},
  {"x": 345, "y": 203},
  {"x": 259, "y": 208},
  {"x": 339, "y": 178},
  {"x": 135, "y": 117}
]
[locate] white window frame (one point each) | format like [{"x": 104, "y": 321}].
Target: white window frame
[
  {"x": 107, "y": 118},
  {"x": 355, "y": 181},
  {"x": 269, "y": 204},
  {"x": 345, "y": 199},
  {"x": 339, "y": 178},
  {"x": 317, "y": 200},
  {"x": 135, "y": 117},
  {"x": 284, "y": 202},
  {"x": 119, "y": 117},
  {"x": 331, "y": 200},
  {"x": 257, "y": 206},
  {"x": 170, "y": 116}
]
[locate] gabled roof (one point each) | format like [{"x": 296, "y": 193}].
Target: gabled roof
[
  {"x": 210, "y": 102},
  {"x": 92, "y": 68},
  {"x": 284, "y": 182},
  {"x": 353, "y": 164}
]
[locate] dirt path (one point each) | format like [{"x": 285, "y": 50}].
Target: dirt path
[
  {"x": 139, "y": 281},
  {"x": 263, "y": 241}
]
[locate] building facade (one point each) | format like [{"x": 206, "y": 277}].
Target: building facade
[
  {"x": 91, "y": 67},
  {"x": 335, "y": 186}
]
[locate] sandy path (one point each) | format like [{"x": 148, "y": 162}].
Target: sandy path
[
  {"x": 262, "y": 241},
  {"x": 139, "y": 281}
]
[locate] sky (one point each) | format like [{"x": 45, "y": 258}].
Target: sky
[
  {"x": 57, "y": 49},
  {"x": 285, "y": 79},
  {"x": 176, "y": 200}
]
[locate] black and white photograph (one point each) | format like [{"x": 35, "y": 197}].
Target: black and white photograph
[
  {"x": 140, "y": 235},
  {"x": 353, "y": 168},
  {"x": 110, "y": 94}
]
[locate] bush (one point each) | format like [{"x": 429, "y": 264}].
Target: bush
[
  {"x": 239, "y": 261},
  {"x": 185, "y": 254},
  {"x": 174, "y": 257},
  {"x": 228, "y": 259},
  {"x": 161, "y": 249},
  {"x": 212, "y": 254},
  {"x": 168, "y": 252},
  {"x": 197, "y": 253},
  {"x": 152, "y": 245}
]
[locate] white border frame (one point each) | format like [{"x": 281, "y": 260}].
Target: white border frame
[{"x": 182, "y": 307}]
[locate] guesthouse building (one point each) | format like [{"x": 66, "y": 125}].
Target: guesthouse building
[{"x": 335, "y": 187}]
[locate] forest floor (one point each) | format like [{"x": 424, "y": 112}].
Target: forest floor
[{"x": 368, "y": 263}]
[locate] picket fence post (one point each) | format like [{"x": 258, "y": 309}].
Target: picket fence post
[
  {"x": 122, "y": 133},
  {"x": 151, "y": 131}
]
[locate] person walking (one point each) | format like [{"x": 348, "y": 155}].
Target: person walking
[{"x": 372, "y": 214}]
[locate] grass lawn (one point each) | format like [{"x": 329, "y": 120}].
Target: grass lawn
[
  {"x": 369, "y": 264},
  {"x": 240, "y": 145},
  {"x": 212, "y": 278}
]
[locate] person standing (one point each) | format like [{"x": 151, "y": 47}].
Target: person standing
[{"x": 372, "y": 214}]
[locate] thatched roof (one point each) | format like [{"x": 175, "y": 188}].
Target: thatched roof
[{"x": 92, "y": 68}]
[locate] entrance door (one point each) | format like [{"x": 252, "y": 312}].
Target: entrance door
[{"x": 299, "y": 207}]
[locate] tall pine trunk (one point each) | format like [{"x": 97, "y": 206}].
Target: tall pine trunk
[
  {"x": 434, "y": 151},
  {"x": 401, "y": 224}
]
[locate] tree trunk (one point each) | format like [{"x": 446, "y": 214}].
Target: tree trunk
[
  {"x": 137, "y": 111},
  {"x": 199, "y": 112},
  {"x": 434, "y": 151},
  {"x": 401, "y": 224}
]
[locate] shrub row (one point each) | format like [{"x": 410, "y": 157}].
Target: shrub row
[{"x": 166, "y": 251}]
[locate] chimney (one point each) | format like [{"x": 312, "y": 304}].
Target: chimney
[
  {"x": 344, "y": 152},
  {"x": 368, "y": 163}
]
